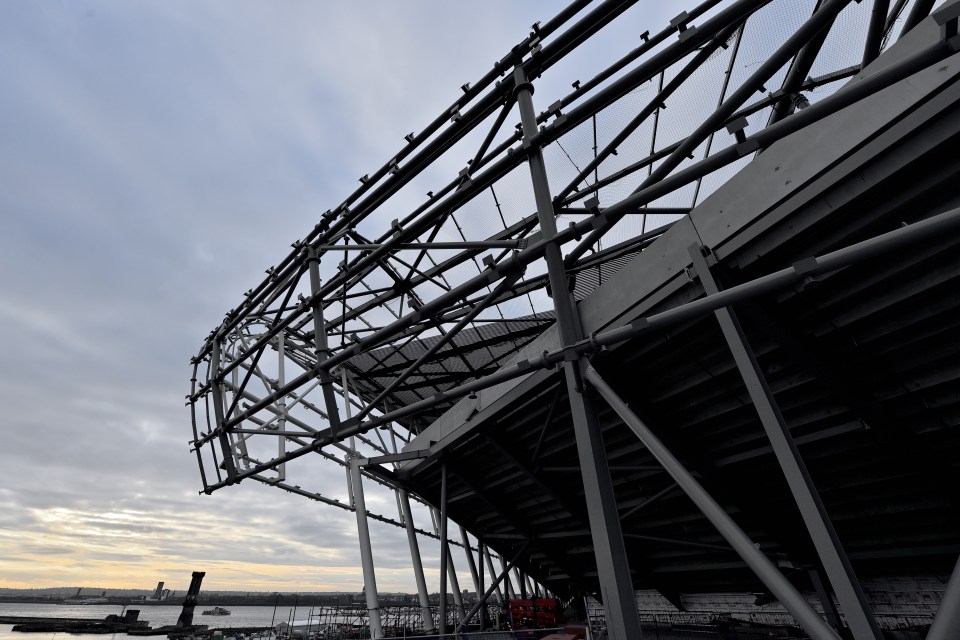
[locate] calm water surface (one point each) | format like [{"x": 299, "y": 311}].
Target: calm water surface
[{"x": 156, "y": 615}]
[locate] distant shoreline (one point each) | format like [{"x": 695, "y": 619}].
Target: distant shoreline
[{"x": 270, "y": 600}]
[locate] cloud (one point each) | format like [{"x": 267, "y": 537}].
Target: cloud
[{"x": 156, "y": 158}]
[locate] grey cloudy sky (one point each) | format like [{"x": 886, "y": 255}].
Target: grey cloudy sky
[{"x": 155, "y": 157}]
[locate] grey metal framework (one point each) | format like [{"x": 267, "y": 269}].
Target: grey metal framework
[{"x": 690, "y": 326}]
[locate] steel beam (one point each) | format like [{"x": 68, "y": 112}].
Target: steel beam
[
  {"x": 919, "y": 11},
  {"x": 320, "y": 342},
  {"x": 785, "y": 592},
  {"x": 225, "y": 447},
  {"x": 874, "y": 40},
  {"x": 928, "y": 230},
  {"x": 850, "y": 95},
  {"x": 820, "y": 19},
  {"x": 844, "y": 581},
  {"x": 616, "y": 584}
]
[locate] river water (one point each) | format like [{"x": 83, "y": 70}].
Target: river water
[{"x": 157, "y": 615}]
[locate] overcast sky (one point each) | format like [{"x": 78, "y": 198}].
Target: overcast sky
[{"x": 155, "y": 157}]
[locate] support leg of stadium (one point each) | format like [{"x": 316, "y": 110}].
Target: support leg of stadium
[
  {"x": 616, "y": 584},
  {"x": 470, "y": 561},
  {"x": 443, "y": 553},
  {"x": 480, "y": 587},
  {"x": 486, "y": 595},
  {"x": 422, "y": 592},
  {"x": 489, "y": 561},
  {"x": 946, "y": 624},
  {"x": 511, "y": 592},
  {"x": 853, "y": 602},
  {"x": 826, "y": 600},
  {"x": 785, "y": 592},
  {"x": 459, "y": 611},
  {"x": 366, "y": 552}
]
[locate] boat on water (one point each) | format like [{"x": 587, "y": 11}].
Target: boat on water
[{"x": 217, "y": 611}]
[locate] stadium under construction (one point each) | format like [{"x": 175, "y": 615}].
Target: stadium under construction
[{"x": 680, "y": 336}]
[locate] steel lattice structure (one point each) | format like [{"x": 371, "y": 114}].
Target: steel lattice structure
[{"x": 397, "y": 306}]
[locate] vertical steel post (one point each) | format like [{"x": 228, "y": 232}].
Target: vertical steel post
[
  {"x": 454, "y": 584},
  {"x": 510, "y": 592},
  {"x": 363, "y": 526},
  {"x": 470, "y": 561},
  {"x": 366, "y": 551},
  {"x": 480, "y": 589},
  {"x": 443, "y": 548},
  {"x": 422, "y": 592},
  {"x": 613, "y": 567},
  {"x": 521, "y": 582},
  {"x": 482, "y": 599},
  {"x": 853, "y": 602},
  {"x": 489, "y": 560},
  {"x": 826, "y": 600},
  {"x": 785, "y": 592},
  {"x": 946, "y": 624}
]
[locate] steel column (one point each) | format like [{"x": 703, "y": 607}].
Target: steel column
[
  {"x": 366, "y": 552},
  {"x": 874, "y": 40},
  {"x": 785, "y": 592},
  {"x": 826, "y": 600},
  {"x": 853, "y": 602},
  {"x": 443, "y": 548},
  {"x": 470, "y": 560},
  {"x": 946, "y": 624},
  {"x": 489, "y": 560},
  {"x": 613, "y": 567},
  {"x": 454, "y": 582},
  {"x": 510, "y": 592},
  {"x": 480, "y": 587},
  {"x": 521, "y": 582},
  {"x": 482, "y": 599},
  {"x": 422, "y": 592}
]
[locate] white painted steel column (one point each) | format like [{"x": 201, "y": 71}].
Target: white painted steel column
[
  {"x": 785, "y": 592},
  {"x": 422, "y": 592},
  {"x": 444, "y": 556},
  {"x": 853, "y": 602},
  {"x": 366, "y": 551},
  {"x": 486, "y": 556},
  {"x": 454, "y": 584},
  {"x": 613, "y": 566},
  {"x": 946, "y": 624},
  {"x": 510, "y": 591},
  {"x": 470, "y": 560}
]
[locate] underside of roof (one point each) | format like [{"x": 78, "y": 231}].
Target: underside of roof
[{"x": 863, "y": 363}]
